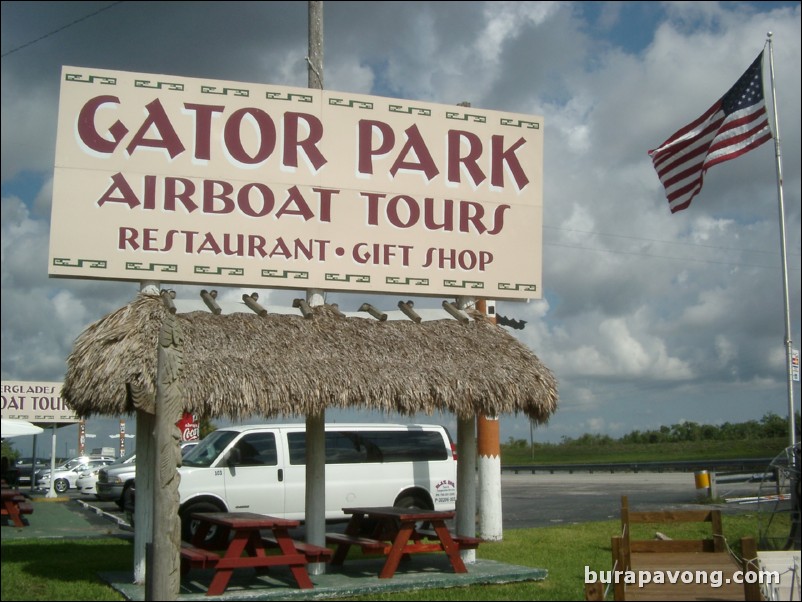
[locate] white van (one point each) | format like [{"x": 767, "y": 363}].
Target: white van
[{"x": 262, "y": 469}]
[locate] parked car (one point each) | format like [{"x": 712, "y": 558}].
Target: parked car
[
  {"x": 87, "y": 480},
  {"x": 66, "y": 476},
  {"x": 112, "y": 481},
  {"x": 24, "y": 468}
]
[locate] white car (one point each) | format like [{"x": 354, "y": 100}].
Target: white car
[{"x": 66, "y": 476}]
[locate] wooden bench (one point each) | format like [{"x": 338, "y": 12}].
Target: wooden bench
[
  {"x": 15, "y": 504},
  {"x": 312, "y": 552},
  {"x": 376, "y": 546},
  {"x": 368, "y": 545},
  {"x": 194, "y": 557},
  {"x": 463, "y": 541}
]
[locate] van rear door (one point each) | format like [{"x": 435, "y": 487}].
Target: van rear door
[{"x": 254, "y": 476}]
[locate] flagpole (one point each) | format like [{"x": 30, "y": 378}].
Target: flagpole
[{"x": 788, "y": 342}]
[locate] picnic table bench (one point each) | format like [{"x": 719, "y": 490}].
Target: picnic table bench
[
  {"x": 463, "y": 541},
  {"x": 396, "y": 536},
  {"x": 312, "y": 553},
  {"x": 246, "y": 548},
  {"x": 198, "y": 558},
  {"x": 15, "y": 504}
]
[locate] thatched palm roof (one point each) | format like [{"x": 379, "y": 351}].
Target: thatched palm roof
[{"x": 243, "y": 364}]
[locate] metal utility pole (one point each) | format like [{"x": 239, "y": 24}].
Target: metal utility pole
[{"x": 315, "y": 507}]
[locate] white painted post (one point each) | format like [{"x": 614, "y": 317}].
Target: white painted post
[
  {"x": 145, "y": 462},
  {"x": 51, "y": 492},
  {"x": 489, "y": 478},
  {"x": 315, "y": 512},
  {"x": 316, "y": 486},
  {"x": 143, "y": 511},
  {"x": 466, "y": 483},
  {"x": 466, "y": 470},
  {"x": 489, "y": 462}
]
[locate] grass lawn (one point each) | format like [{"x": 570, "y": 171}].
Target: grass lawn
[{"x": 68, "y": 570}]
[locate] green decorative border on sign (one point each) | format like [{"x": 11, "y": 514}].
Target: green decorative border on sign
[
  {"x": 65, "y": 262},
  {"x": 136, "y": 266},
  {"x": 205, "y": 269},
  {"x": 146, "y": 83},
  {"x": 90, "y": 79},
  {"x": 409, "y": 110},
  {"x": 224, "y": 91},
  {"x": 332, "y": 277},
  {"x": 403, "y": 281},
  {"x": 520, "y": 123},
  {"x": 465, "y": 116},
  {"x": 506, "y": 286},
  {"x": 463, "y": 284},
  {"x": 359, "y": 104},
  {"x": 288, "y": 96},
  {"x": 294, "y": 274}
]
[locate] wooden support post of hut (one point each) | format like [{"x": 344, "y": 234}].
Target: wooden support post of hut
[
  {"x": 145, "y": 461},
  {"x": 466, "y": 465},
  {"x": 164, "y": 580},
  {"x": 488, "y": 462}
]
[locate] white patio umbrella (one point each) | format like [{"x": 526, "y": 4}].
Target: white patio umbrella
[{"x": 18, "y": 428}]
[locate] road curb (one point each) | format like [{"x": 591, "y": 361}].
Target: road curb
[{"x": 108, "y": 515}]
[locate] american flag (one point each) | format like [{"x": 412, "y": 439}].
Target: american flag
[{"x": 733, "y": 126}]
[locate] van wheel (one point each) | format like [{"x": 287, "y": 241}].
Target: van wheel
[
  {"x": 121, "y": 502},
  {"x": 411, "y": 500},
  {"x": 216, "y": 538}
]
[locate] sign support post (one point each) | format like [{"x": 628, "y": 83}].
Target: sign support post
[{"x": 315, "y": 508}]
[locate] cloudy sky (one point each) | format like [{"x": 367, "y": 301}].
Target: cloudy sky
[{"x": 647, "y": 318}]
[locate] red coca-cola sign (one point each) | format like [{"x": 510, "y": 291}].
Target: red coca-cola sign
[{"x": 189, "y": 427}]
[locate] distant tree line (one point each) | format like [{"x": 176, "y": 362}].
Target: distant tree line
[{"x": 771, "y": 426}]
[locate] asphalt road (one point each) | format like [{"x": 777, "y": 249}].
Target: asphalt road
[{"x": 550, "y": 499}]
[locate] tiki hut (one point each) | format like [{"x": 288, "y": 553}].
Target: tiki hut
[
  {"x": 272, "y": 365},
  {"x": 149, "y": 359}
]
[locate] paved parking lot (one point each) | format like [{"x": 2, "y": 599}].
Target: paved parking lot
[{"x": 541, "y": 499}]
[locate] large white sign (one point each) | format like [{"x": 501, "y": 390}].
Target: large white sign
[
  {"x": 190, "y": 180},
  {"x": 35, "y": 402}
]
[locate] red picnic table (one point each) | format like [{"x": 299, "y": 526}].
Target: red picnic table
[
  {"x": 396, "y": 534},
  {"x": 247, "y": 548},
  {"x": 15, "y": 504}
]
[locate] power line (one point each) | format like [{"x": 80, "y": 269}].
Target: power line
[{"x": 62, "y": 28}]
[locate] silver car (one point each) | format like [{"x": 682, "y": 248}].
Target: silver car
[
  {"x": 66, "y": 476},
  {"x": 113, "y": 481},
  {"x": 87, "y": 480}
]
